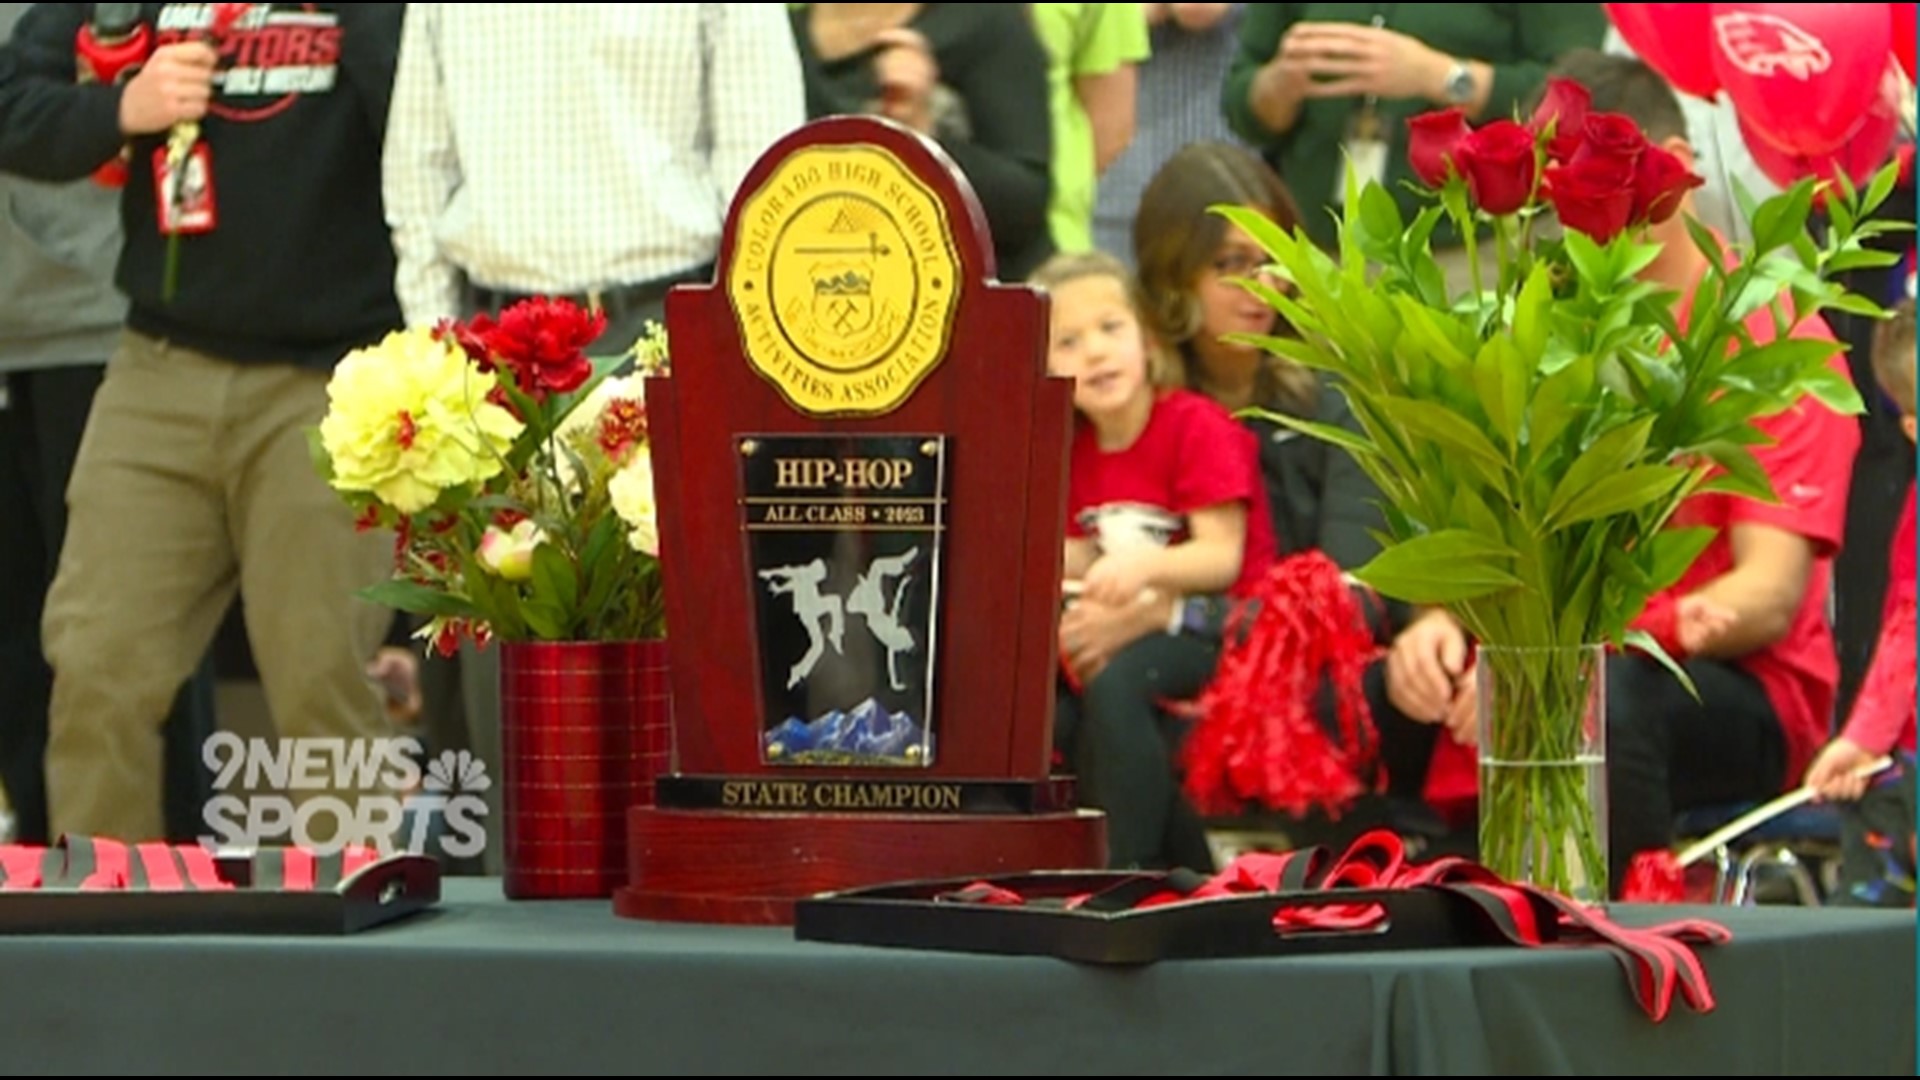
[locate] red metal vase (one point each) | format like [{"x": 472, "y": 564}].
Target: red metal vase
[{"x": 585, "y": 727}]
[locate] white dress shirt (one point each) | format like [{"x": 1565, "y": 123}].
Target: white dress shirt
[{"x": 559, "y": 148}]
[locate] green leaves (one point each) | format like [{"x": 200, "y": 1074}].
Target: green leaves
[
  {"x": 1347, "y": 440},
  {"x": 1532, "y": 312},
  {"x": 1782, "y": 218},
  {"x": 1439, "y": 424},
  {"x": 417, "y": 599},
  {"x": 1533, "y": 442},
  {"x": 553, "y": 595},
  {"x": 1611, "y": 453},
  {"x": 1834, "y": 390},
  {"x": 1673, "y": 552},
  {"x": 1742, "y": 475},
  {"x": 1500, "y": 380},
  {"x": 1629, "y": 492},
  {"x": 1441, "y": 568}
]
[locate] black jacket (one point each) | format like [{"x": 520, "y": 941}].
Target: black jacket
[
  {"x": 300, "y": 265},
  {"x": 1318, "y": 495},
  {"x": 1319, "y": 498}
]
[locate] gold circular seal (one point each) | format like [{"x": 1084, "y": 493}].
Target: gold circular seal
[{"x": 844, "y": 279}]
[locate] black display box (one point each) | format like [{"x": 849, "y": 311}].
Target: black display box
[
  {"x": 249, "y": 892},
  {"x": 916, "y": 915}
]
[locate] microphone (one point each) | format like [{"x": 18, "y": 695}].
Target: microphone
[{"x": 108, "y": 48}]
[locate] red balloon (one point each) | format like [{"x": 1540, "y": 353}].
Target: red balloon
[
  {"x": 1673, "y": 40},
  {"x": 1903, "y": 32},
  {"x": 1803, "y": 74},
  {"x": 1866, "y": 149}
]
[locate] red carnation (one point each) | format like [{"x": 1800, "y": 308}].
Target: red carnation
[
  {"x": 623, "y": 426},
  {"x": 472, "y": 337},
  {"x": 543, "y": 342}
]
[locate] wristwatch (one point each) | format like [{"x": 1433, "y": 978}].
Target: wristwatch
[{"x": 1459, "y": 85}]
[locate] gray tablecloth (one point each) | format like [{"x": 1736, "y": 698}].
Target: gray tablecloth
[{"x": 483, "y": 986}]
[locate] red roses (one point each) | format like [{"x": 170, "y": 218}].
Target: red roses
[{"x": 1598, "y": 171}]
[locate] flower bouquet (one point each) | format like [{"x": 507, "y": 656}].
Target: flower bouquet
[
  {"x": 514, "y": 472},
  {"x": 1533, "y": 436}
]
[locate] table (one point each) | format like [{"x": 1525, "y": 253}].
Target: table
[{"x": 482, "y": 986}]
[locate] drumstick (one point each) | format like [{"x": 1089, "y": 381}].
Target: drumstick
[{"x": 1761, "y": 814}]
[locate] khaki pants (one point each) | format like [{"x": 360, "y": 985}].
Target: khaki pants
[{"x": 193, "y": 481}]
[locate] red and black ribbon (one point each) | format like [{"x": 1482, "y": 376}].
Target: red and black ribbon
[
  {"x": 1660, "y": 961},
  {"x": 303, "y": 870},
  {"x": 92, "y": 864}
]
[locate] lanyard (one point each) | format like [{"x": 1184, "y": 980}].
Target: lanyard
[{"x": 1367, "y": 125}]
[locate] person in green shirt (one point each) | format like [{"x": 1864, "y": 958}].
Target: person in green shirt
[
  {"x": 1092, "y": 90},
  {"x": 1314, "y": 84}
]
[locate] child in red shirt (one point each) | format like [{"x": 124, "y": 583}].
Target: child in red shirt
[
  {"x": 1877, "y": 835},
  {"x": 1165, "y": 498}
]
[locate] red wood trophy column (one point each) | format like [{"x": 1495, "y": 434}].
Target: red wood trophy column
[{"x": 861, "y": 467}]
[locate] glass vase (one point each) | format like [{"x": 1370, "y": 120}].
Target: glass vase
[{"x": 1543, "y": 767}]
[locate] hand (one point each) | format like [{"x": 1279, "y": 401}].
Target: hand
[
  {"x": 175, "y": 84},
  {"x": 1118, "y": 578},
  {"x": 906, "y": 72},
  {"x": 1427, "y": 667},
  {"x": 397, "y": 671},
  {"x": 1093, "y": 633},
  {"x": 1347, "y": 60},
  {"x": 1463, "y": 716},
  {"x": 1700, "y": 621},
  {"x": 1835, "y": 773}
]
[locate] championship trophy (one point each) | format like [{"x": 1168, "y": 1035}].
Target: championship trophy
[{"x": 861, "y": 468}]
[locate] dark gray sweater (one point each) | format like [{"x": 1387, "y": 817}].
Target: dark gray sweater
[{"x": 58, "y": 247}]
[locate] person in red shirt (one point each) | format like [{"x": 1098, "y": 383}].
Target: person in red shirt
[
  {"x": 1165, "y": 499},
  {"x": 1748, "y": 620},
  {"x": 1878, "y": 828}
]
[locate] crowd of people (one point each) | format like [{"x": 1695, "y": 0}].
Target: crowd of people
[{"x": 364, "y": 167}]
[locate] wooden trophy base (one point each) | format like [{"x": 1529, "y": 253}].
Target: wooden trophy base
[{"x": 746, "y": 867}]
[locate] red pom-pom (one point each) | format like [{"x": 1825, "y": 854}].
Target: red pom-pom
[
  {"x": 1257, "y": 736},
  {"x": 1654, "y": 877}
]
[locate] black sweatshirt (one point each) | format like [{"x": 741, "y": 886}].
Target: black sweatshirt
[{"x": 299, "y": 267}]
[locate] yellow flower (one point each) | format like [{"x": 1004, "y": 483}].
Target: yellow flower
[
  {"x": 409, "y": 419},
  {"x": 650, "y": 354},
  {"x": 631, "y": 492}
]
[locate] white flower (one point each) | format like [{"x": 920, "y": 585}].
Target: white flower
[
  {"x": 631, "y": 492},
  {"x": 509, "y": 554}
]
